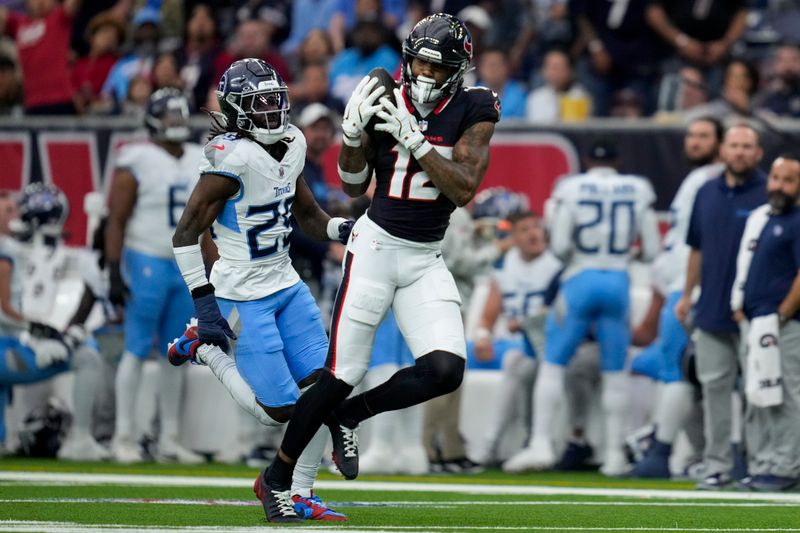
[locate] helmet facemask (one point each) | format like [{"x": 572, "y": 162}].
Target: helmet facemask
[
  {"x": 264, "y": 114},
  {"x": 425, "y": 90}
]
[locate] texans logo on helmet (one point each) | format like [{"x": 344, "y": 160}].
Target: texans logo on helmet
[{"x": 468, "y": 46}]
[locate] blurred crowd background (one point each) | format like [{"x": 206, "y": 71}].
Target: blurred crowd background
[{"x": 550, "y": 60}]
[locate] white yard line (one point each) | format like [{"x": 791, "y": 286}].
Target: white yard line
[
  {"x": 73, "y": 527},
  {"x": 56, "y": 478},
  {"x": 410, "y": 504}
]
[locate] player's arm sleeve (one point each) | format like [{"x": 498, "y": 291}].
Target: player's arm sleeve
[
  {"x": 694, "y": 234},
  {"x": 650, "y": 237}
]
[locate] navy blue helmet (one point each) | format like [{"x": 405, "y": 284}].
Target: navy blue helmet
[
  {"x": 254, "y": 100},
  {"x": 43, "y": 208},
  {"x": 167, "y": 115},
  {"x": 442, "y": 39}
]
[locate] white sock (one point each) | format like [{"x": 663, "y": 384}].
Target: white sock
[
  {"x": 305, "y": 471},
  {"x": 88, "y": 377},
  {"x": 224, "y": 368},
  {"x": 642, "y": 392},
  {"x": 615, "y": 398},
  {"x": 547, "y": 397},
  {"x": 736, "y": 417},
  {"x": 170, "y": 392},
  {"x": 129, "y": 374},
  {"x": 673, "y": 409}
]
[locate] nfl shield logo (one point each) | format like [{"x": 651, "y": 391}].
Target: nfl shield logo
[
  {"x": 280, "y": 171},
  {"x": 423, "y": 125}
]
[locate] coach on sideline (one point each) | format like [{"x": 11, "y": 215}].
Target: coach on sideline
[
  {"x": 767, "y": 294},
  {"x": 718, "y": 217}
]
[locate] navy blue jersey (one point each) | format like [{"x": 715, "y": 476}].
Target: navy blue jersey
[{"x": 406, "y": 203}]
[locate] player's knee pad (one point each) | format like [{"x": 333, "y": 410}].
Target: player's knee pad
[
  {"x": 280, "y": 415},
  {"x": 442, "y": 371}
]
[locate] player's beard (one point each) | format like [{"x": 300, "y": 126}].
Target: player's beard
[{"x": 780, "y": 202}]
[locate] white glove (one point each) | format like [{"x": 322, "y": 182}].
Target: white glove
[
  {"x": 75, "y": 336},
  {"x": 48, "y": 352},
  {"x": 402, "y": 125},
  {"x": 360, "y": 108}
]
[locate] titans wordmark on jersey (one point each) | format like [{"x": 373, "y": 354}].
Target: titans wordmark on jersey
[
  {"x": 252, "y": 231},
  {"x": 406, "y": 202}
]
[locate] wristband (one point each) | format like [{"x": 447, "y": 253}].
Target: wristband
[
  {"x": 333, "y": 227},
  {"x": 353, "y": 142},
  {"x": 482, "y": 333},
  {"x": 421, "y": 150},
  {"x": 190, "y": 263},
  {"x": 595, "y": 45},
  {"x": 354, "y": 178}
]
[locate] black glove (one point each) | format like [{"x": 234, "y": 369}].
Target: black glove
[
  {"x": 43, "y": 331},
  {"x": 345, "y": 228},
  {"x": 211, "y": 326},
  {"x": 118, "y": 291}
]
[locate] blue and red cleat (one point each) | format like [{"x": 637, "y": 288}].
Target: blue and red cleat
[
  {"x": 185, "y": 348},
  {"x": 313, "y": 508}
]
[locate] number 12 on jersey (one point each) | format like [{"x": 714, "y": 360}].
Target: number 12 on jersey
[{"x": 409, "y": 181}]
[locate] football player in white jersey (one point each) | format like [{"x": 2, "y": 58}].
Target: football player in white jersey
[
  {"x": 31, "y": 270},
  {"x": 662, "y": 358},
  {"x": 519, "y": 290},
  {"x": 250, "y": 186},
  {"x": 597, "y": 216},
  {"x": 151, "y": 184}
]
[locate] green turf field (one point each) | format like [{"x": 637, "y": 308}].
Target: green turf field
[{"x": 41, "y": 495}]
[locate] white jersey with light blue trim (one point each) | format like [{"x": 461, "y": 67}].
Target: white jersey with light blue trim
[
  {"x": 164, "y": 185},
  {"x": 680, "y": 211},
  {"x": 524, "y": 284},
  {"x": 597, "y": 217},
  {"x": 10, "y": 251},
  {"x": 252, "y": 231}
]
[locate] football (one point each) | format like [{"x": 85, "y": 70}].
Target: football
[{"x": 384, "y": 79}]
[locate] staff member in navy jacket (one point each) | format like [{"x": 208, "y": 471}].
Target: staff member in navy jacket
[
  {"x": 720, "y": 211},
  {"x": 772, "y": 285}
]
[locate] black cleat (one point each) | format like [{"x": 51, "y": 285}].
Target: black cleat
[
  {"x": 278, "y": 504},
  {"x": 345, "y": 450}
]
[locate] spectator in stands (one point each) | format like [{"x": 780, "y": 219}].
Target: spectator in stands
[
  {"x": 136, "y": 97},
  {"x": 139, "y": 61},
  {"x": 626, "y": 103},
  {"x": 10, "y": 87},
  {"x": 715, "y": 229},
  {"x": 253, "y": 39},
  {"x": 308, "y": 15},
  {"x": 316, "y": 48},
  {"x": 702, "y": 33},
  {"x": 369, "y": 50},
  {"x": 621, "y": 51},
  {"x": 105, "y": 35},
  {"x": 681, "y": 91},
  {"x": 166, "y": 72},
  {"x": 560, "y": 98},
  {"x": 739, "y": 86},
  {"x": 546, "y": 25},
  {"x": 314, "y": 87},
  {"x": 389, "y": 13},
  {"x": 42, "y": 38},
  {"x": 198, "y": 54},
  {"x": 783, "y": 95},
  {"x": 771, "y": 242},
  {"x": 493, "y": 72}
]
